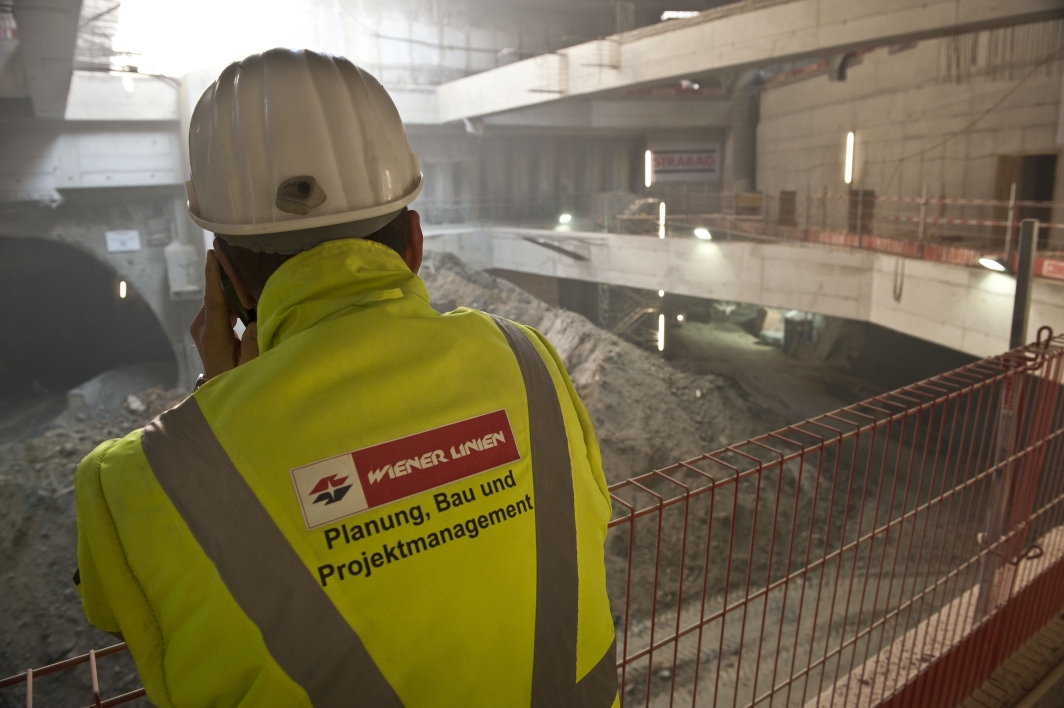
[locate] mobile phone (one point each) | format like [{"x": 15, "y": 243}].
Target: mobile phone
[{"x": 246, "y": 316}]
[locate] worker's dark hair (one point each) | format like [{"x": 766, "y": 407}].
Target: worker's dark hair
[{"x": 254, "y": 269}]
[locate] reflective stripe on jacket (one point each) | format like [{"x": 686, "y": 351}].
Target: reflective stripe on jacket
[{"x": 387, "y": 507}]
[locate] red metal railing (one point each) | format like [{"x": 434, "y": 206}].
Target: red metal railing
[
  {"x": 870, "y": 556},
  {"x": 98, "y": 701},
  {"x": 949, "y": 230},
  {"x": 890, "y": 553}
]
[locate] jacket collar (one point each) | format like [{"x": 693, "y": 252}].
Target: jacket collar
[{"x": 346, "y": 274}]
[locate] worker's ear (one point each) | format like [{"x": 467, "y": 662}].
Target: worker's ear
[
  {"x": 246, "y": 298},
  {"x": 415, "y": 243}
]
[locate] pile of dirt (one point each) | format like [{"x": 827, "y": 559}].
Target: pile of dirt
[
  {"x": 42, "y": 621},
  {"x": 647, "y": 414}
]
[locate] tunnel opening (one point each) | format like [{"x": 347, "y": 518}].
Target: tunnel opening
[{"x": 65, "y": 321}]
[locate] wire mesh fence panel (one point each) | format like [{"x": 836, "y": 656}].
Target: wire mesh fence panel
[{"x": 837, "y": 561}]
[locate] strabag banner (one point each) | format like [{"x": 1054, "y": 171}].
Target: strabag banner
[
  {"x": 696, "y": 163},
  {"x": 337, "y": 487}
]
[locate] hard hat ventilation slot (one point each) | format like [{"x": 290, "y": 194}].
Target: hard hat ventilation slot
[{"x": 298, "y": 195}]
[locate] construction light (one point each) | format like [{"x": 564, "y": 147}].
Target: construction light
[
  {"x": 703, "y": 234},
  {"x": 992, "y": 263},
  {"x": 661, "y": 333},
  {"x": 661, "y": 293},
  {"x": 565, "y": 218},
  {"x": 122, "y": 289},
  {"x": 648, "y": 168},
  {"x": 679, "y": 318},
  {"x": 661, "y": 220},
  {"x": 849, "y": 157}
]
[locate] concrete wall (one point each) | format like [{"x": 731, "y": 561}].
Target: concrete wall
[
  {"x": 527, "y": 176},
  {"x": 967, "y": 309},
  {"x": 967, "y": 92},
  {"x": 519, "y": 176},
  {"x": 37, "y": 159}
]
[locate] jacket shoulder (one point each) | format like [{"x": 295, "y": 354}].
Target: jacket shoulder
[{"x": 107, "y": 454}]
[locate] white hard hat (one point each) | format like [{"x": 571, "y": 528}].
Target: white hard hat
[{"x": 288, "y": 141}]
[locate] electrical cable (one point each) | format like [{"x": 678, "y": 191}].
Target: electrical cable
[{"x": 99, "y": 15}]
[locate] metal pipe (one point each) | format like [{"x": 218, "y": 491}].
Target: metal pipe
[
  {"x": 1008, "y": 224},
  {"x": 1024, "y": 281},
  {"x": 95, "y": 680}
]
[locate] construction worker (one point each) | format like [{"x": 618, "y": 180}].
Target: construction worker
[{"x": 367, "y": 503}]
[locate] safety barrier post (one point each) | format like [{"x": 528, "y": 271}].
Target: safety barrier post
[
  {"x": 993, "y": 589},
  {"x": 923, "y": 218},
  {"x": 1024, "y": 282},
  {"x": 95, "y": 680},
  {"x": 1008, "y": 222},
  {"x": 998, "y": 571}
]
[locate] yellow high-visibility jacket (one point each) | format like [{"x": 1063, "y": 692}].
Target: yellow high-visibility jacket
[{"x": 387, "y": 507}]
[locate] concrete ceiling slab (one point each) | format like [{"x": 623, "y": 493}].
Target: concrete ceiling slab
[
  {"x": 749, "y": 34},
  {"x": 632, "y": 114},
  {"x": 47, "y": 34}
]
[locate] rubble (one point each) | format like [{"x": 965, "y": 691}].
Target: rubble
[
  {"x": 42, "y": 622},
  {"x": 646, "y": 413}
]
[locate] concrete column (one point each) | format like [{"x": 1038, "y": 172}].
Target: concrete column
[{"x": 740, "y": 154}]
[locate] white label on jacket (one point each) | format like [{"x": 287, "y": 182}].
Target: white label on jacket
[
  {"x": 386, "y": 472},
  {"x": 329, "y": 490}
]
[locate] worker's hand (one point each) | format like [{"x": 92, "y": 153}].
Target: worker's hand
[{"x": 219, "y": 348}]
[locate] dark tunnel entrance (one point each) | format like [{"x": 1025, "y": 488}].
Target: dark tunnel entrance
[{"x": 63, "y": 322}]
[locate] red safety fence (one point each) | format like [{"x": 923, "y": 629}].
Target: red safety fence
[
  {"x": 894, "y": 552},
  {"x": 943, "y": 229},
  {"x": 28, "y": 677}
]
